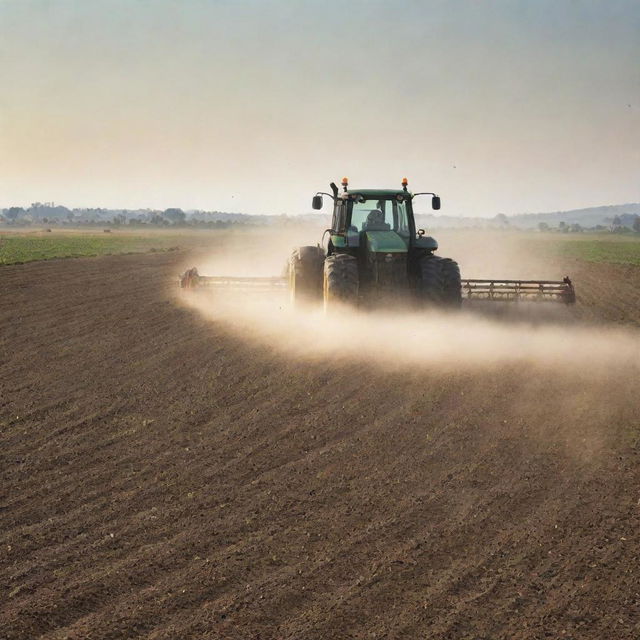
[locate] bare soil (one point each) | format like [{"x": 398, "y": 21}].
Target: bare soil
[{"x": 164, "y": 478}]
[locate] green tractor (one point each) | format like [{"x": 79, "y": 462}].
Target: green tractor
[{"x": 374, "y": 253}]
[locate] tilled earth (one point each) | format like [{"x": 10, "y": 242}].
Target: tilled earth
[{"x": 164, "y": 478}]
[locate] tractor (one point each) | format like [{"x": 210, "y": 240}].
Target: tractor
[{"x": 374, "y": 253}]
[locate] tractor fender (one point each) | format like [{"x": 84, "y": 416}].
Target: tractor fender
[{"x": 426, "y": 242}]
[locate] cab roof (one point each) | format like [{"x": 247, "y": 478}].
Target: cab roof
[{"x": 377, "y": 193}]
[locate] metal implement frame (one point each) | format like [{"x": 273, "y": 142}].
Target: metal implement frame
[
  {"x": 233, "y": 282},
  {"x": 516, "y": 290},
  {"x": 497, "y": 290},
  {"x": 191, "y": 279}
]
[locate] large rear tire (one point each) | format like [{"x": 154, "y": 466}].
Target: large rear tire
[
  {"x": 431, "y": 282},
  {"x": 440, "y": 284},
  {"x": 305, "y": 275},
  {"x": 341, "y": 281},
  {"x": 452, "y": 283}
]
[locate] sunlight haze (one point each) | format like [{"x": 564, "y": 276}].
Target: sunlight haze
[{"x": 252, "y": 106}]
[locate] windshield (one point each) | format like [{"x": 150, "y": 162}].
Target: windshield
[{"x": 380, "y": 215}]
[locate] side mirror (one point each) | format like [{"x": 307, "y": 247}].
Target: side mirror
[
  {"x": 435, "y": 203},
  {"x": 316, "y": 203}
]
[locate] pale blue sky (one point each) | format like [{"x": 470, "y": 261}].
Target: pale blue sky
[{"x": 252, "y": 106}]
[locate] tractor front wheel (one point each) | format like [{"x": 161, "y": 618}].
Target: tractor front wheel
[{"x": 341, "y": 281}]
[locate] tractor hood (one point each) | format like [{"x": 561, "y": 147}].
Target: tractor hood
[{"x": 386, "y": 242}]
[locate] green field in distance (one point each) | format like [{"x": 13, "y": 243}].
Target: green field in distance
[
  {"x": 16, "y": 248},
  {"x": 607, "y": 248},
  {"x": 26, "y": 246}
]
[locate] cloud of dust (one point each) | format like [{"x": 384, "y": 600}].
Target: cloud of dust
[
  {"x": 419, "y": 338},
  {"x": 405, "y": 336}
]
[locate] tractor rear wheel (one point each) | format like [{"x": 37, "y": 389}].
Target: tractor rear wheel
[
  {"x": 431, "y": 282},
  {"x": 305, "y": 275},
  {"x": 341, "y": 281},
  {"x": 452, "y": 284},
  {"x": 440, "y": 284}
]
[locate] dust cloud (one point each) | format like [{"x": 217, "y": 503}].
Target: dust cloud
[
  {"x": 420, "y": 339},
  {"x": 545, "y": 335}
]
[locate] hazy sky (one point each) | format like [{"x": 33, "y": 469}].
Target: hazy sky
[{"x": 252, "y": 106}]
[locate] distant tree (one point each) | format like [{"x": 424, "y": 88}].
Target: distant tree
[
  {"x": 616, "y": 223},
  {"x": 175, "y": 216},
  {"x": 13, "y": 213},
  {"x": 562, "y": 226},
  {"x": 576, "y": 228},
  {"x": 636, "y": 224},
  {"x": 501, "y": 219},
  {"x": 543, "y": 226}
]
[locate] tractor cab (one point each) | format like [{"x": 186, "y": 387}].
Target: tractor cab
[{"x": 381, "y": 220}]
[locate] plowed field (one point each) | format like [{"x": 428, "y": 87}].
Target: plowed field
[{"x": 164, "y": 477}]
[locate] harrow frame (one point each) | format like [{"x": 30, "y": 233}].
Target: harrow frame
[
  {"x": 495, "y": 290},
  {"x": 516, "y": 290}
]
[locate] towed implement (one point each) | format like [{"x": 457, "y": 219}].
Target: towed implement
[
  {"x": 375, "y": 252},
  {"x": 509, "y": 290},
  {"x": 191, "y": 279}
]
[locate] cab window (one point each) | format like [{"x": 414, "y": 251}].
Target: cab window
[
  {"x": 380, "y": 215},
  {"x": 339, "y": 221}
]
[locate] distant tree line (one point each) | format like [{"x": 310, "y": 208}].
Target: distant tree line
[
  {"x": 50, "y": 214},
  {"x": 618, "y": 224}
]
